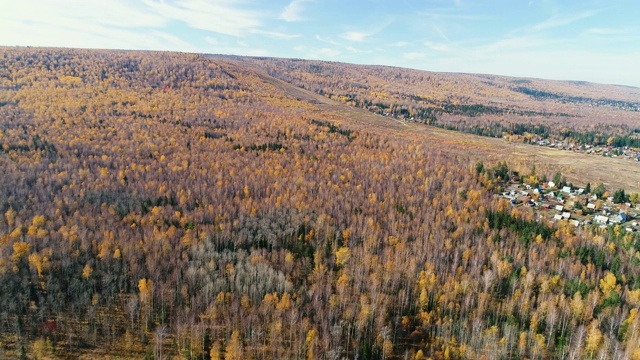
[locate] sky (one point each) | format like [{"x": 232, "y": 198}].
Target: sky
[{"x": 587, "y": 40}]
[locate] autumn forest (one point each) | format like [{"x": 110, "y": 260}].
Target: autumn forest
[{"x": 181, "y": 206}]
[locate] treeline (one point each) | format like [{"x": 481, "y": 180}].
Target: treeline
[
  {"x": 348, "y": 133},
  {"x": 539, "y": 94},
  {"x": 131, "y": 235},
  {"x": 596, "y": 138}
]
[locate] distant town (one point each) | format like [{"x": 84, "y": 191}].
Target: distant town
[{"x": 625, "y": 152}]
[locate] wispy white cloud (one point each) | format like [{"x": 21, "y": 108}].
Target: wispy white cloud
[
  {"x": 449, "y": 15},
  {"x": 121, "y": 24},
  {"x": 327, "y": 40},
  {"x": 357, "y": 36},
  {"x": 211, "y": 40},
  {"x": 82, "y": 35},
  {"x": 222, "y": 16},
  {"x": 556, "y": 21},
  {"x": 116, "y": 24},
  {"x": 612, "y": 35},
  {"x": 513, "y": 45},
  {"x": 293, "y": 11},
  {"x": 438, "y": 46},
  {"x": 519, "y": 40},
  {"x": 414, "y": 55},
  {"x": 68, "y": 13},
  {"x": 276, "y": 34},
  {"x": 355, "y": 50},
  {"x": 603, "y": 31},
  {"x": 317, "y": 53},
  {"x": 331, "y": 53},
  {"x": 441, "y": 33},
  {"x": 361, "y": 36}
]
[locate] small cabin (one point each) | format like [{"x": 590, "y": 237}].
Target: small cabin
[{"x": 601, "y": 219}]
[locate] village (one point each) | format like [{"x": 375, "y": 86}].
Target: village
[
  {"x": 573, "y": 205},
  {"x": 625, "y": 152}
]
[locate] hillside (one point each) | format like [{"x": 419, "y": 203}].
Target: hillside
[
  {"x": 186, "y": 206},
  {"x": 579, "y": 167},
  {"x": 480, "y": 104}
]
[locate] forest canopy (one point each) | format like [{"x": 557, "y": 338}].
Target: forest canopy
[{"x": 163, "y": 204}]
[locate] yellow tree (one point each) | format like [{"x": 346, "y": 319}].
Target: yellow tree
[
  {"x": 594, "y": 338},
  {"x": 233, "y": 350}
]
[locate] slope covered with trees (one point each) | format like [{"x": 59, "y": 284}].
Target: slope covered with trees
[
  {"x": 484, "y": 105},
  {"x": 162, "y": 204}
]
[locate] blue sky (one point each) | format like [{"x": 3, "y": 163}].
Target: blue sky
[{"x": 588, "y": 40}]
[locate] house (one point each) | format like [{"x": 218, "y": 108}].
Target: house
[
  {"x": 575, "y": 223},
  {"x": 580, "y": 191},
  {"x": 557, "y": 217},
  {"x": 566, "y": 215},
  {"x": 630, "y": 229},
  {"x": 601, "y": 219},
  {"x": 566, "y": 189},
  {"x": 551, "y": 184},
  {"x": 559, "y": 207},
  {"x": 591, "y": 206},
  {"x": 623, "y": 216},
  {"x": 620, "y": 218}
]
